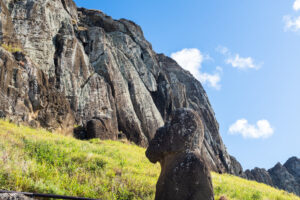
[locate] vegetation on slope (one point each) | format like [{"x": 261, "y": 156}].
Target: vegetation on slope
[{"x": 38, "y": 161}]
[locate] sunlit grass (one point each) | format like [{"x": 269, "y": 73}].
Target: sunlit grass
[
  {"x": 38, "y": 161},
  {"x": 240, "y": 189}
]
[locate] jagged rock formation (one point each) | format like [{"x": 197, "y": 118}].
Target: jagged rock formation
[
  {"x": 176, "y": 146},
  {"x": 286, "y": 177},
  {"x": 237, "y": 167},
  {"x": 81, "y": 67},
  {"x": 259, "y": 175}
]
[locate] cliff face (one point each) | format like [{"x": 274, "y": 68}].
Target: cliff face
[
  {"x": 81, "y": 67},
  {"x": 286, "y": 177}
]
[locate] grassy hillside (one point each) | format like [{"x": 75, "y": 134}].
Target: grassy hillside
[{"x": 39, "y": 161}]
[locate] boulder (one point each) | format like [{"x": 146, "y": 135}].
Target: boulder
[
  {"x": 176, "y": 146},
  {"x": 14, "y": 196},
  {"x": 97, "y": 128}
]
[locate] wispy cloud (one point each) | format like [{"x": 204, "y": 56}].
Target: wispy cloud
[
  {"x": 213, "y": 80},
  {"x": 242, "y": 63},
  {"x": 291, "y": 23},
  {"x": 262, "y": 129},
  {"x": 236, "y": 61},
  {"x": 223, "y": 50},
  {"x": 191, "y": 60}
]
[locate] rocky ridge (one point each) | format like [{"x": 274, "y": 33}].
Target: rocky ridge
[
  {"x": 285, "y": 177},
  {"x": 79, "y": 67}
]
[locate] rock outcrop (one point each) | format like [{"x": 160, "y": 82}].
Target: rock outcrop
[
  {"x": 237, "y": 168},
  {"x": 81, "y": 67},
  {"x": 14, "y": 196},
  {"x": 286, "y": 177},
  {"x": 259, "y": 175},
  {"x": 176, "y": 146},
  {"x": 27, "y": 95}
]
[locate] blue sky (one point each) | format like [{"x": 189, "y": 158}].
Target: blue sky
[{"x": 247, "y": 55}]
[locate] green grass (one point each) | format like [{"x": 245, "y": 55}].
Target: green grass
[
  {"x": 236, "y": 188},
  {"x": 38, "y": 161}
]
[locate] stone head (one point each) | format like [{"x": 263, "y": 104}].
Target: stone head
[{"x": 184, "y": 132}]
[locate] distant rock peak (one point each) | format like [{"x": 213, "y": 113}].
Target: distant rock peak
[{"x": 285, "y": 177}]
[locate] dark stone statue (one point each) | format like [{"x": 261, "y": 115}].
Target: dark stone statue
[{"x": 184, "y": 174}]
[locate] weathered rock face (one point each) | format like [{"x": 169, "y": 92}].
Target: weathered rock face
[
  {"x": 82, "y": 67},
  {"x": 237, "y": 167},
  {"x": 7, "y": 33},
  {"x": 293, "y": 166},
  {"x": 26, "y": 95},
  {"x": 184, "y": 174},
  {"x": 259, "y": 175},
  {"x": 284, "y": 177}
]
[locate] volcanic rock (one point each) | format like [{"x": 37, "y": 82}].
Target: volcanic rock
[
  {"x": 259, "y": 175},
  {"x": 184, "y": 174},
  {"x": 285, "y": 177},
  {"x": 74, "y": 66},
  {"x": 14, "y": 196}
]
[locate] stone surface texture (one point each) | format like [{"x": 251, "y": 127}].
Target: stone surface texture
[
  {"x": 14, "y": 196},
  {"x": 176, "y": 146},
  {"x": 80, "y": 67}
]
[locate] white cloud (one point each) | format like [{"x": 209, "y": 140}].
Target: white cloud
[
  {"x": 191, "y": 60},
  {"x": 262, "y": 129},
  {"x": 292, "y": 24},
  {"x": 212, "y": 80},
  {"x": 242, "y": 63},
  {"x": 236, "y": 60},
  {"x": 296, "y": 5}
]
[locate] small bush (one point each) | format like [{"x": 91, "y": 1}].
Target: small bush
[{"x": 123, "y": 194}]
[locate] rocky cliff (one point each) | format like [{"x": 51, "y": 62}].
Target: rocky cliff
[
  {"x": 62, "y": 67},
  {"x": 286, "y": 177}
]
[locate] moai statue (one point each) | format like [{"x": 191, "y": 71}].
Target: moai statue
[{"x": 176, "y": 146}]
